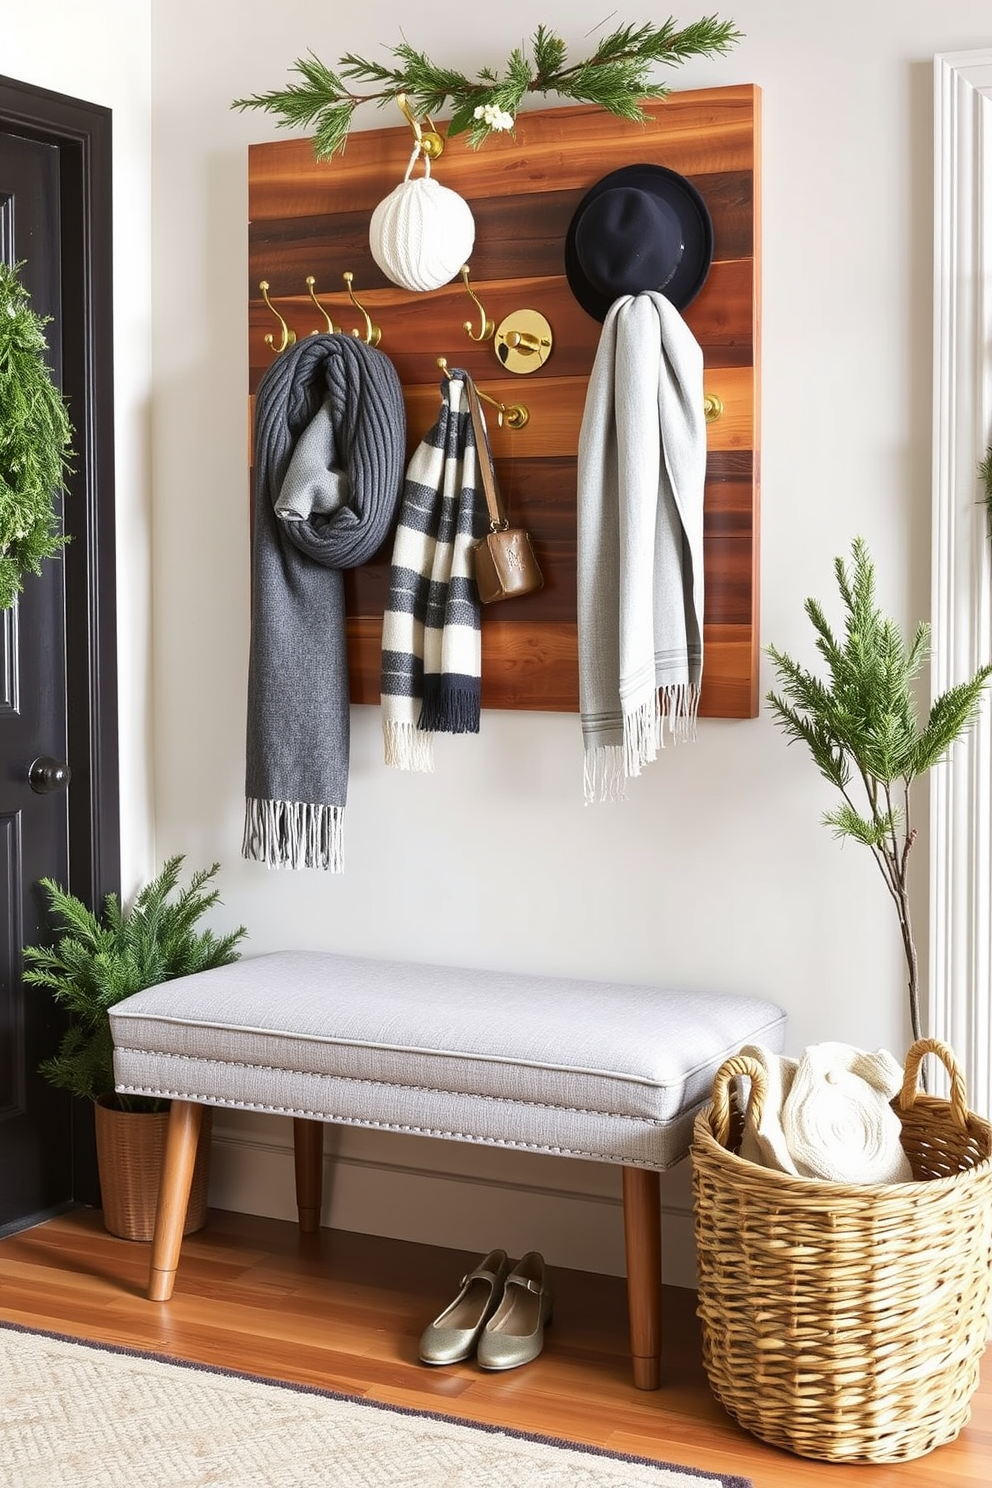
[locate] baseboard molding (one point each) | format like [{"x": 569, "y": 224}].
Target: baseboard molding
[{"x": 449, "y": 1193}]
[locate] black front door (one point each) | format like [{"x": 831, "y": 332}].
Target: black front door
[
  {"x": 58, "y": 697},
  {"x": 35, "y": 1119}
]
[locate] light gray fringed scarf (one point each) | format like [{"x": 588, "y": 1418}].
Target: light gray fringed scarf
[
  {"x": 641, "y": 472},
  {"x": 330, "y": 435},
  {"x": 431, "y": 639}
]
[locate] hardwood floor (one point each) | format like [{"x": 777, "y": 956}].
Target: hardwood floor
[{"x": 345, "y": 1311}]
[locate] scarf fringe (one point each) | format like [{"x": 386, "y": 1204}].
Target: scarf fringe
[
  {"x": 294, "y": 834},
  {"x": 678, "y": 710},
  {"x": 608, "y": 767},
  {"x": 641, "y": 729},
  {"x": 407, "y": 747},
  {"x": 604, "y": 778},
  {"x": 449, "y": 708}
]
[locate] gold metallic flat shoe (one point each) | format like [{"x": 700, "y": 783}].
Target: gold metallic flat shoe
[
  {"x": 515, "y": 1333},
  {"x": 454, "y": 1333}
]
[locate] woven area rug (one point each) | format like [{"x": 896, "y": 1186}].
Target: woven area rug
[{"x": 80, "y": 1415}]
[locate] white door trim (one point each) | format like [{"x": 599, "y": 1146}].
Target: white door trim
[{"x": 960, "y": 956}]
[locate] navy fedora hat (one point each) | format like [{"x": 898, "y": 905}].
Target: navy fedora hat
[{"x": 640, "y": 227}]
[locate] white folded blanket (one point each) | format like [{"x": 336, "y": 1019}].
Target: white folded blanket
[
  {"x": 763, "y": 1141},
  {"x": 827, "y": 1115}
]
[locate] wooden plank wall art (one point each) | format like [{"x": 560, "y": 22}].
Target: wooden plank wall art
[{"x": 310, "y": 218}]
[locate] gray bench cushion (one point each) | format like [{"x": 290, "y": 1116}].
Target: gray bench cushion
[{"x": 598, "y": 1070}]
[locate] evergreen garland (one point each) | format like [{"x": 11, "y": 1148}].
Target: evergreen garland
[
  {"x": 96, "y": 963},
  {"x": 616, "y": 77},
  {"x": 859, "y": 725},
  {"x": 34, "y": 442}
]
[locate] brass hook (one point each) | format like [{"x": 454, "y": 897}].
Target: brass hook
[
  {"x": 373, "y": 333},
  {"x": 712, "y": 407},
  {"x": 331, "y": 328},
  {"x": 488, "y": 326},
  {"x": 513, "y": 415},
  {"x": 429, "y": 142},
  {"x": 288, "y": 336}
]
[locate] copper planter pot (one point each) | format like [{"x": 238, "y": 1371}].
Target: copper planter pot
[{"x": 130, "y": 1150}]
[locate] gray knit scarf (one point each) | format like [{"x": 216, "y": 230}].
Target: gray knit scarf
[
  {"x": 641, "y": 474},
  {"x": 431, "y": 638},
  {"x": 330, "y": 434}
]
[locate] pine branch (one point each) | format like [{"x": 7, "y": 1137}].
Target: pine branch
[
  {"x": 550, "y": 52},
  {"x": 300, "y": 104},
  {"x": 830, "y": 760},
  {"x": 617, "y": 77},
  {"x": 985, "y": 476},
  {"x": 951, "y": 715},
  {"x": 847, "y": 822}
]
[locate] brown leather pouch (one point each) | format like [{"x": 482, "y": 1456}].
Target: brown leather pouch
[{"x": 505, "y": 565}]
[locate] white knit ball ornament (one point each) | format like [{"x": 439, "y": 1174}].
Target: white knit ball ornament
[{"x": 422, "y": 233}]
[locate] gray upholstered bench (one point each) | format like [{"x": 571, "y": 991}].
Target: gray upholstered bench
[{"x": 595, "y": 1070}]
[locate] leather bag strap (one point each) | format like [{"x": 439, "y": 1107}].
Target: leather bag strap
[{"x": 497, "y": 516}]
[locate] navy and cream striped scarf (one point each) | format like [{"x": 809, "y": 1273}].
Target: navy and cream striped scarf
[{"x": 431, "y": 638}]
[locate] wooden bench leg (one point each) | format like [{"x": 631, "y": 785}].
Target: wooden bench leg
[
  {"x": 185, "y": 1121},
  {"x": 642, "y": 1238},
  {"x": 308, "y": 1147}
]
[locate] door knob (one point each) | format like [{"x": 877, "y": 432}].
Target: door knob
[{"x": 47, "y": 775}]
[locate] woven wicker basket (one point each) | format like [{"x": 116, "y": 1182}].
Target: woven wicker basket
[
  {"x": 130, "y": 1149},
  {"x": 847, "y": 1322}
]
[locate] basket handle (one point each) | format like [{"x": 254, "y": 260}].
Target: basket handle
[
  {"x": 908, "y": 1093},
  {"x": 738, "y": 1064}
]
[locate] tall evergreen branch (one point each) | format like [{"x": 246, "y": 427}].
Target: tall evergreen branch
[{"x": 860, "y": 726}]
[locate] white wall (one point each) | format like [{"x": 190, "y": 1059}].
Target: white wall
[
  {"x": 717, "y": 872},
  {"x": 100, "y": 52}
]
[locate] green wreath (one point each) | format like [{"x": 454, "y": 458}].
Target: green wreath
[{"x": 35, "y": 434}]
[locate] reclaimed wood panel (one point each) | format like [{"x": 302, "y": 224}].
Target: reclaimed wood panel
[
  {"x": 543, "y": 498},
  {"x": 309, "y": 217},
  {"x": 555, "y": 407},
  {"x": 697, "y": 132},
  {"x": 720, "y": 318},
  {"x": 518, "y": 238}
]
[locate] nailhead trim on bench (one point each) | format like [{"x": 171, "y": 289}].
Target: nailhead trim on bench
[
  {"x": 413, "y": 1131},
  {"x": 510, "y": 1100}
]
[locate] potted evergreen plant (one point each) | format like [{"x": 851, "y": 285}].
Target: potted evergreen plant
[
  {"x": 860, "y": 725},
  {"x": 95, "y": 963}
]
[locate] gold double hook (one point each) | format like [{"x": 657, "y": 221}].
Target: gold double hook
[
  {"x": 373, "y": 333},
  {"x": 288, "y": 336},
  {"x": 513, "y": 415},
  {"x": 488, "y": 326},
  {"x": 332, "y": 329},
  {"x": 429, "y": 142}
]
